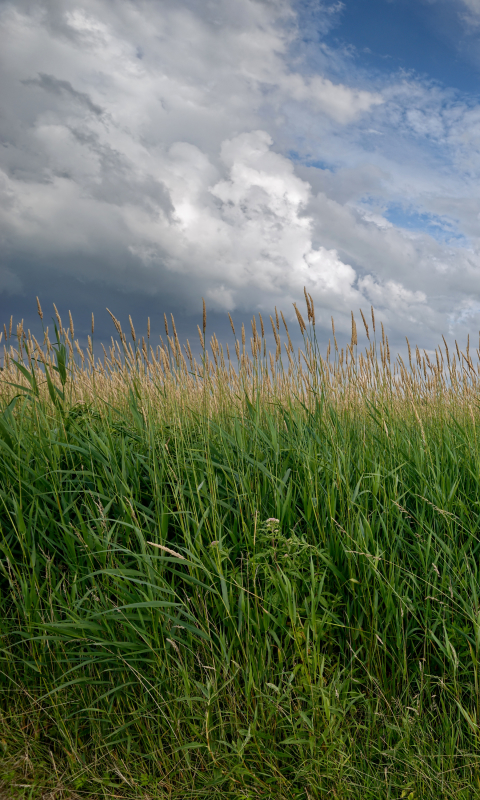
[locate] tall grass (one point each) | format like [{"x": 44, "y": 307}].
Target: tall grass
[{"x": 252, "y": 578}]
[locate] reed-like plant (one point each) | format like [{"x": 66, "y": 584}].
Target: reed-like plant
[{"x": 252, "y": 578}]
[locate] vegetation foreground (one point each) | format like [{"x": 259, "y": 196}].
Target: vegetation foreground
[{"x": 249, "y": 581}]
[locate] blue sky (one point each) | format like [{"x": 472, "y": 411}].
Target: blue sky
[
  {"x": 431, "y": 39},
  {"x": 154, "y": 152}
]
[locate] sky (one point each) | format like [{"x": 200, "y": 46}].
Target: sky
[{"x": 154, "y": 152}]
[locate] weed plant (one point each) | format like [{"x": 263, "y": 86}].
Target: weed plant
[{"x": 249, "y": 580}]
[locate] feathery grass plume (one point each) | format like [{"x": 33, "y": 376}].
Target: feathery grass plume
[
  {"x": 231, "y": 324},
  {"x": 274, "y": 329},
  {"x": 166, "y": 323},
  {"x": 200, "y": 335},
  {"x": 312, "y": 309},
  {"x": 458, "y": 351},
  {"x": 59, "y": 321},
  {"x": 290, "y": 345},
  {"x": 243, "y": 335},
  {"x": 261, "y": 325},
  {"x": 93, "y": 324},
  {"x": 354, "y": 332},
  {"x": 10, "y": 328},
  {"x": 132, "y": 329},
  {"x": 148, "y": 329},
  {"x": 167, "y": 550},
  {"x": 365, "y": 324},
  {"x": 277, "y": 321},
  {"x": 71, "y": 328},
  {"x": 204, "y": 316},
  {"x": 39, "y": 309},
  {"x": 118, "y": 327},
  {"x": 307, "y": 301},
  {"x": 174, "y": 328},
  {"x": 5, "y": 331},
  {"x": 409, "y": 353},
  {"x": 373, "y": 318},
  {"x": 301, "y": 322},
  {"x": 446, "y": 349}
]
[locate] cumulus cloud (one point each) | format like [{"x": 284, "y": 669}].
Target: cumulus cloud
[{"x": 150, "y": 146}]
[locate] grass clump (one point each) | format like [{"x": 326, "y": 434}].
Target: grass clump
[{"x": 249, "y": 581}]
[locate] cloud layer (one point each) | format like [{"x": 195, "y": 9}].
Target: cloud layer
[{"x": 182, "y": 149}]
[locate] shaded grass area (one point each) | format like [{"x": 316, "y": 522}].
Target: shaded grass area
[{"x": 277, "y": 602}]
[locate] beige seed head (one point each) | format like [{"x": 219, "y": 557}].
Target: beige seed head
[
  {"x": 312, "y": 309},
  {"x": 132, "y": 329},
  {"x": 365, "y": 324},
  {"x": 354, "y": 331},
  {"x": 231, "y": 324},
  {"x": 277, "y": 321},
  {"x": 39, "y": 307},
  {"x": 307, "y": 301},
  {"x": 300, "y": 319},
  {"x": 10, "y": 328},
  {"x": 116, "y": 323},
  {"x": 409, "y": 351},
  {"x": 261, "y": 325},
  {"x": 166, "y": 323},
  {"x": 93, "y": 324},
  {"x": 148, "y": 328},
  {"x": 71, "y": 324},
  {"x": 167, "y": 550},
  {"x": 446, "y": 350},
  {"x": 58, "y": 318}
]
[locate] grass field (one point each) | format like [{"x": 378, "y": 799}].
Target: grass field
[{"x": 246, "y": 578}]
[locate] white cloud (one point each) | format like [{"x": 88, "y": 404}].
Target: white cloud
[
  {"x": 340, "y": 102},
  {"x": 472, "y": 14},
  {"x": 164, "y": 140}
]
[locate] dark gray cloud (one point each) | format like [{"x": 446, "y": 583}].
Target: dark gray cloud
[{"x": 61, "y": 88}]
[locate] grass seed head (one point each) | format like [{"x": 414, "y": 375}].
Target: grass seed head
[{"x": 132, "y": 329}]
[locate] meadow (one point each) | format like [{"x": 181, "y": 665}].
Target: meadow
[{"x": 239, "y": 575}]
